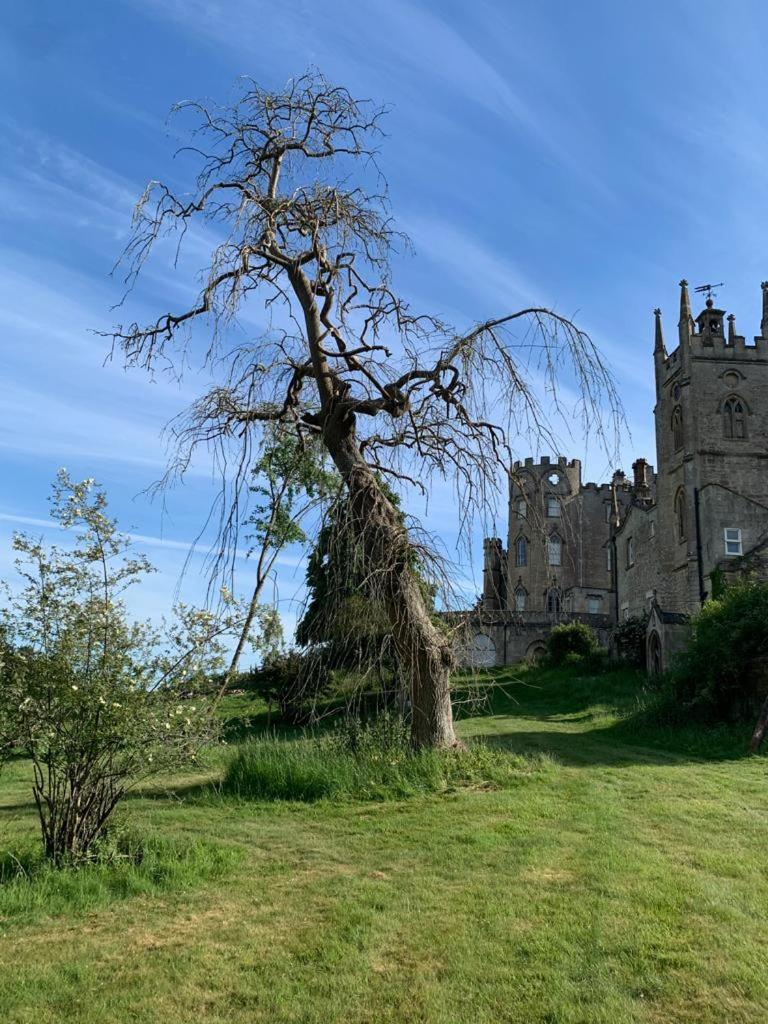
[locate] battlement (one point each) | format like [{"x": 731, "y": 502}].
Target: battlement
[
  {"x": 705, "y": 337},
  {"x": 604, "y": 489},
  {"x": 723, "y": 349},
  {"x": 703, "y": 346},
  {"x": 547, "y": 463}
]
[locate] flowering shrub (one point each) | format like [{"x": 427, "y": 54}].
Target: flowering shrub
[{"x": 96, "y": 701}]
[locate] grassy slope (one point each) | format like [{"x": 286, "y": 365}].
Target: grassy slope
[{"x": 628, "y": 884}]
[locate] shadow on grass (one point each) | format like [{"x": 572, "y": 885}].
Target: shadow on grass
[
  {"x": 618, "y": 703},
  {"x": 22, "y": 805},
  {"x": 619, "y": 746}
]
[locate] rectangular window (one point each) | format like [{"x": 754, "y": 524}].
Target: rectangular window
[
  {"x": 732, "y": 541},
  {"x": 553, "y": 508},
  {"x": 554, "y": 551},
  {"x": 607, "y": 512},
  {"x": 522, "y": 509},
  {"x": 609, "y": 558},
  {"x": 594, "y": 605}
]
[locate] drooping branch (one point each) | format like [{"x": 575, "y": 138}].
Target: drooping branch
[{"x": 290, "y": 184}]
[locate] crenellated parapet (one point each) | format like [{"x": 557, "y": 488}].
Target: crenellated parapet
[{"x": 706, "y": 337}]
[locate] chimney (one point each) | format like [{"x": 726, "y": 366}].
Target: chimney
[{"x": 642, "y": 485}]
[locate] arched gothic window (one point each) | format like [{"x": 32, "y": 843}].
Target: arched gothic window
[
  {"x": 521, "y": 551},
  {"x": 677, "y": 428},
  {"x": 554, "y": 550},
  {"x": 681, "y": 515},
  {"x": 553, "y": 601},
  {"x": 734, "y": 418},
  {"x": 520, "y": 595}
]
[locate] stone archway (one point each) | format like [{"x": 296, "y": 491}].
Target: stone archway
[
  {"x": 535, "y": 652},
  {"x": 482, "y": 652},
  {"x": 654, "y": 658}
]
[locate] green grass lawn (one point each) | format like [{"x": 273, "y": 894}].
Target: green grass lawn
[{"x": 626, "y": 882}]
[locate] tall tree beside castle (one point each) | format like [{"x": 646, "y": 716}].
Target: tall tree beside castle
[{"x": 289, "y": 183}]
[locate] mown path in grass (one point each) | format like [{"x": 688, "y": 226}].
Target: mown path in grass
[{"x": 627, "y": 883}]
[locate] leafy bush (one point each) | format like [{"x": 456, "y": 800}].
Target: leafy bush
[
  {"x": 723, "y": 673},
  {"x": 628, "y": 638},
  {"x": 292, "y": 682},
  {"x": 571, "y": 643},
  {"x": 365, "y": 762},
  {"x": 96, "y": 701}
]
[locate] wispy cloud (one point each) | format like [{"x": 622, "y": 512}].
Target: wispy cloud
[{"x": 189, "y": 548}]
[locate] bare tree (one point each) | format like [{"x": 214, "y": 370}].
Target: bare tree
[{"x": 388, "y": 391}]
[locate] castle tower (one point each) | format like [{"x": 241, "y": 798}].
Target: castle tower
[
  {"x": 711, "y": 418},
  {"x": 557, "y": 563}
]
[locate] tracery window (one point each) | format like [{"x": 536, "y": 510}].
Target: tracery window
[
  {"x": 553, "y": 601},
  {"x": 734, "y": 418},
  {"x": 520, "y": 599}
]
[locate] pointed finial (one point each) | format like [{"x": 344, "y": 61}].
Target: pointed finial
[
  {"x": 685, "y": 323},
  {"x": 731, "y": 328},
  {"x": 658, "y": 346},
  {"x": 764, "y": 321}
]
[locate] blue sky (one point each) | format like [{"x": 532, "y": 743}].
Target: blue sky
[{"x": 582, "y": 155}]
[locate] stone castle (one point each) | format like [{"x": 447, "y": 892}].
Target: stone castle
[{"x": 653, "y": 543}]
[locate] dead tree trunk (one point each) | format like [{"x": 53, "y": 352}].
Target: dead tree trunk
[{"x": 424, "y": 654}]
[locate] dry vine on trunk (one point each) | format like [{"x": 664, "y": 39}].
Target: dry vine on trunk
[{"x": 290, "y": 182}]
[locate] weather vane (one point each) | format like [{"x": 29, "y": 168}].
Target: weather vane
[{"x": 709, "y": 289}]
